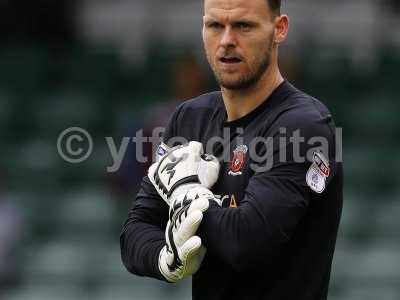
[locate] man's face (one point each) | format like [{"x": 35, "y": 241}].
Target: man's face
[{"x": 238, "y": 40}]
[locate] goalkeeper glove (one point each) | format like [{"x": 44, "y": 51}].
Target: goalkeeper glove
[
  {"x": 183, "y": 253},
  {"x": 182, "y": 169}
]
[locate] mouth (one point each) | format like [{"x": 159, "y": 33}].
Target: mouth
[{"x": 230, "y": 60}]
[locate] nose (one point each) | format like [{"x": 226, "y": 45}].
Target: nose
[{"x": 228, "y": 38}]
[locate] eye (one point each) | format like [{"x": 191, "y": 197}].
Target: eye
[
  {"x": 214, "y": 25},
  {"x": 244, "y": 26}
]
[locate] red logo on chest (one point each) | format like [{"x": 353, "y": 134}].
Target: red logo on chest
[{"x": 238, "y": 160}]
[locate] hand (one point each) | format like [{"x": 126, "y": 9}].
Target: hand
[
  {"x": 183, "y": 253},
  {"x": 183, "y": 168}
]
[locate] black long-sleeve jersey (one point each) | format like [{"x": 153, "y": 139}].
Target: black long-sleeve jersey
[{"x": 281, "y": 187}]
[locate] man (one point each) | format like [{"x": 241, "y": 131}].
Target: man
[{"x": 263, "y": 224}]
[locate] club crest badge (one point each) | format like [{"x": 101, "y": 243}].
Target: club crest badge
[
  {"x": 318, "y": 173},
  {"x": 237, "y": 162}
]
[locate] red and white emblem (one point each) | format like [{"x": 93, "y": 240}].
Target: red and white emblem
[{"x": 237, "y": 162}]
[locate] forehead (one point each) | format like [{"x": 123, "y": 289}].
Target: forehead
[{"x": 231, "y": 9}]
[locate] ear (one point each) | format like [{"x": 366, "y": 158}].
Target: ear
[{"x": 281, "y": 28}]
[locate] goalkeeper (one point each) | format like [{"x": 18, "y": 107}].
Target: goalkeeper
[{"x": 263, "y": 223}]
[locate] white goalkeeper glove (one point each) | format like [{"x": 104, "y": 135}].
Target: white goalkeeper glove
[
  {"x": 183, "y": 253},
  {"x": 182, "y": 169}
]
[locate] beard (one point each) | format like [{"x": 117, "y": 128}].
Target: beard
[{"x": 255, "y": 71}]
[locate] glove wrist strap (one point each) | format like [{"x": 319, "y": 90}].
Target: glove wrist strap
[{"x": 183, "y": 189}]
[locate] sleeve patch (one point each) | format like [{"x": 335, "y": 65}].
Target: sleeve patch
[{"x": 318, "y": 173}]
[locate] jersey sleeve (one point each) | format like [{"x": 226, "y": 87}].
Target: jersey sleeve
[
  {"x": 276, "y": 198},
  {"x": 142, "y": 236}
]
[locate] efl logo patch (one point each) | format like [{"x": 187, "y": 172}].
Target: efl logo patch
[
  {"x": 161, "y": 151},
  {"x": 317, "y": 173},
  {"x": 237, "y": 162}
]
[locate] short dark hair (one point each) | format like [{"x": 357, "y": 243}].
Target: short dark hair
[{"x": 275, "y": 6}]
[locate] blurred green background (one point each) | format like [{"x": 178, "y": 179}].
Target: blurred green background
[{"x": 116, "y": 67}]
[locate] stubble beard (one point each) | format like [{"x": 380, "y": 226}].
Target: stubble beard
[{"x": 246, "y": 80}]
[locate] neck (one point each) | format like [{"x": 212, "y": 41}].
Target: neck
[{"x": 239, "y": 103}]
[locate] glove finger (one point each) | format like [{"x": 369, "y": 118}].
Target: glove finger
[
  {"x": 208, "y": 170},
  {"x": 190, "y": 248},
  {"x": 167, "y": 256},
  {"x": 188, "y": 227},
  {"x": 201, "y": 204},
  {"x": 196, "y": 147},
  {"x": 196, "y": 257},
  {"x": 194, "y": 260},
  {"x": 191, "y": 154}
]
